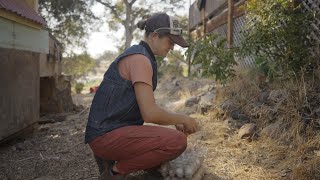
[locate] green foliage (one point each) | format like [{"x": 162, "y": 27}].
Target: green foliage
[
  {"x": 176, "y": 55},
  {"x": 216, "y": 61},
  {"x": 107, "y": 56},
  {"x": 160, "y": 60},
  {"x": 78, "y": 87},
  {"x": 68, "y": 20},
  {"x": 276, "y": 34},
  {"x": 127, "y": 13},
  {"x": 77, "y": 65}
]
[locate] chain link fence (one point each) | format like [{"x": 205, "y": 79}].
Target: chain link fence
[{"x": 312, "y": 6}]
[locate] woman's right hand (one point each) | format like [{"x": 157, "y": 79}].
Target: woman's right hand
[{"x": 190, "y": 125}]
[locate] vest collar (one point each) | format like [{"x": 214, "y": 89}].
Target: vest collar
[{"x": 144, "y": 44}]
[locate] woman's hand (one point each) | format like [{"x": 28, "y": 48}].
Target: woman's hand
[
  {"x": 189, "y": 126},
  {"x": 179, "y": 127}
]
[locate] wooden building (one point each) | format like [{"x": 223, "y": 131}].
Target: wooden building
[{"x": 27, "y": 54}]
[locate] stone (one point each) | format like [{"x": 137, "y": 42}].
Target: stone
[
  {"x": 317, "y": 112},
  {"x": 244, "y": 118},
  {"x": 191, "y": 101},
  {"x": 271, "y": 130},
  {"x": 278, "y": 95},
  {"x": 206, "y": 102},
  {"x": 264, "y": 96},
  {"x": 204, "y": 109},
  {"x": 45, "y": 178},
  {"x": 235, "y": 114},
  {"x": 207, "y": 99},
  {"x": 206, "y": 88},
  {"x": 194, "y": 86},
  {"x": 247, "y": 131},
  {"x": 231, "y": 124},
  {"x": 228, "y": 106}
]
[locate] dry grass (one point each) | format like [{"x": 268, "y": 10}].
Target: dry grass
[{"x": 292, "y": 152}]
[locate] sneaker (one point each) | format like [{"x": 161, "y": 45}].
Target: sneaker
[
  {"x": 107, "y": 175},
  {"x": 105, "y": 169},
  {"x": 103, "y": 164}
]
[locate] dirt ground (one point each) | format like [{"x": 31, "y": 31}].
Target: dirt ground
[{"x": 56, "y": 149}]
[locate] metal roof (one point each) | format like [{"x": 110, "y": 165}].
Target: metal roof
[{"x": 21, "y": 8}]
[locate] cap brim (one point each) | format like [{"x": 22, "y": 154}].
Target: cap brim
[{"x": 178, "y": 40}]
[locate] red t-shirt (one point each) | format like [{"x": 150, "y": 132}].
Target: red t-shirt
[{"x": 136, "y": 68}]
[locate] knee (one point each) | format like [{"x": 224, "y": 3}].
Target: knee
[{"x": 180, "y": 142}]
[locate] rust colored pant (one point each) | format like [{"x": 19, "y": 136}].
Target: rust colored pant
[{"x": 139, "y": 147}]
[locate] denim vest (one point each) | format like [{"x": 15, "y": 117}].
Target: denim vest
[{"x": 114, "y": 104}]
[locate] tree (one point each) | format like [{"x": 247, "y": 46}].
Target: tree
[
  {"x": 68, "y": 20},
  {"x": 71, "y": 20},
  {"x": 78, "y": 65},
  {"x": 127, "y": 13},
  {"x": 107, "y": 56}
]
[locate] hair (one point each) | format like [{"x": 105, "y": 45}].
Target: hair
[{"x": 142, "y": 25}]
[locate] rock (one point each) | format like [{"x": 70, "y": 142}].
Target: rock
[
  {"x": 207, "y": 99},
  {"x": 228, "y": 106},
  {"x": 247, "y": 130},
  {"x": 317, "y": 112},
  {"x": 204, "y": 109},
  {"x": 264, "y": 96},
  {"x": 271, "y": 130},
  {"x": 46, "y": 120},
  {"x": 244, "y": 118},
  {"x": 206, "y": 102},
  {"x": 235, "y": 114},
  {"x": 177, "y": 82},
  {"x": 278, "y": 95},
  {"x": 45, "y": 178},
  {"x": 194, "y": 86},
  {"x": 231, "y": 124},
  {"x": 20, "y": 147},
  {"x": 285, "y": 172},
  {"x": 78, "y": 108},
  {"x": 191, "y": 101},
  {"x": 206, "y": 88}
]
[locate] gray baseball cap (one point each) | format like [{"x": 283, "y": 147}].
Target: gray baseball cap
[{"x": 163, "y": 23}]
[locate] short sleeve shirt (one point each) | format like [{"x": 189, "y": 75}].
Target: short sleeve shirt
[{"x": 136, "y": 68}]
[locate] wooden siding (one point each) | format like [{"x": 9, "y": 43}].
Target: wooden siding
[
  {"x": 219, "y": 19},
  {"x": 20, "y": 91},
  {"x": 18, "y": 36},
  {"x": 212, "y": 8},
  {"x": 194, "y": 17}
]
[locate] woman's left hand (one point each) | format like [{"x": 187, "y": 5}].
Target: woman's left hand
[{"x": 180, "y": 127}]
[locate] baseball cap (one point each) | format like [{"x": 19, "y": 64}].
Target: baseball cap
[{"x": 169, "y": 25}]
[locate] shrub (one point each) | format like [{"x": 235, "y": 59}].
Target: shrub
[
  {"x": 79, "y": 87},
  {"x": 277, "y": 35},
  {"x": 216, "y": 61}
]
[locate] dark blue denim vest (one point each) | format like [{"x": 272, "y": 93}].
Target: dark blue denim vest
[{"x": 114, "y": 104}]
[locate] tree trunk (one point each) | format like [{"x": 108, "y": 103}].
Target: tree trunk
[
  {"x": 127, "y": 25},
  {"x": 129, "y": 37}
]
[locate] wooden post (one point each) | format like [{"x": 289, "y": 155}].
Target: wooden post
[
  {"x": 203, "y": 17},
  {"x": 230, "y": 23}
]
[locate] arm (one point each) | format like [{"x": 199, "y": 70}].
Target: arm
[{"x": 152, "y": 113}]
